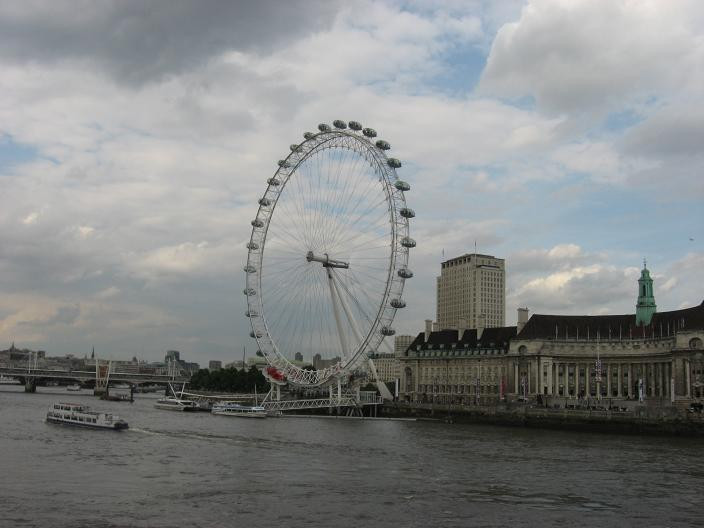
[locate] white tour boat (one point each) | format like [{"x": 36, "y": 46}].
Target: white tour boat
[
  {"x": 73, "y": 388},
  {"x": 229, "y": 408},
  {"x": 81, "y": 415},
  {"x": 176, "y": 404}
]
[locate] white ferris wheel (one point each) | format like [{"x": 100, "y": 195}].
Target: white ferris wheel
[{"x": 328, "y": 254}]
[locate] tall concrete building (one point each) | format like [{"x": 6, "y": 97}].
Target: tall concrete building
[{"x": 471, "y": 293}]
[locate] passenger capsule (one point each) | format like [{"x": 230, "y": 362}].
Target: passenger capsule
[
  {"x": 285, "y": 164},
  {"x": 408, "y": 242},
  {"x": 257, "y": 223},
  {"x": 308, "y": 135},
  {"x": 398, "y": 303},
  {"x": 293, "y": 147},
  {"x": 407, "y": 212},
  {"x": 249, "y": 292},
  {"x": 257, "y": 335},
  {"x": 387, "y": 331},
  {"x": 273, "y": 182},
  {"x": 252, "y": 245},
  {"x": 323, "y": 127},
  {"x": 383, "y": 145},
  {"x": 402, "y": 185},
  {"x": 250, "y": 269},
  {"x": 264, "y": 202},
  {"x": 405, "y": 273},
  {"x": 354, "y": 125},
  {"x": 369, "y": 132},
  {"x": 251, "y": 313},
  {"x": 394, "y": 163},
  {"x": 339, "y": 124}
]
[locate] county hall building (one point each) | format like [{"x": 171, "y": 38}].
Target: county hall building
[{"x": 648, "y": 355}]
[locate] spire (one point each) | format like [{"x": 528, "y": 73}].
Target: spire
[
  {"x": 645, "y": 307},
  {"x": 92, "y": 353}
]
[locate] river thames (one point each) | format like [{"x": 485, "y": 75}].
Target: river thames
[{"x": 196, "y": 470}]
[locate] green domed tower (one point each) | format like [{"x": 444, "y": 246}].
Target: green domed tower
[{"x": 645, "y": 307}]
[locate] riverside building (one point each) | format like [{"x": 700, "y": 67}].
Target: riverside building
[
  {"x": 471, "y": 292},
  {"x": 645, "y": 356}
]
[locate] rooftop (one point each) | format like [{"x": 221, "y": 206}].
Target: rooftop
[{"x": 541, "y": 326}]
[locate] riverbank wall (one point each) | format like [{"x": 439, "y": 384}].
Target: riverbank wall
[{"x": 660, "y": 420}]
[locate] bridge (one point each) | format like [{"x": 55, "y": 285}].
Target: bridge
[
  {"x": 351, "y": 403},
  {"x": 103, "y": 376}
]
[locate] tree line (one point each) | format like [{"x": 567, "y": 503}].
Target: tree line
[{"x": 230, "y": 380}]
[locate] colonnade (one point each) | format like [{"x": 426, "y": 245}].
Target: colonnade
[{"x": 574, "y": 379}]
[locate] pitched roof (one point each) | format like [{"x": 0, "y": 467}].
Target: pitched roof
[
  {"x": 541, "y": 326},
  {"x": 491, "y": 338}
]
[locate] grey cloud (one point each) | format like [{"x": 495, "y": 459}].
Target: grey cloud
[
  {"x": 677, "y": 132},
  {"x": 65, "y": 315},
  {"x": 136, "y": 42},
  {"x": 562, "y": 256}
]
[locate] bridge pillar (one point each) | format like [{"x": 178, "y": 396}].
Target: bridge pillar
[{"x": 30, "y": 385}]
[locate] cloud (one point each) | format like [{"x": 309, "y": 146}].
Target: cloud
[
  {"x": 108, "y": 293},
  {"x": 675, "y": 131},
  {"x": 31, "y": 218},
  {"x": 136, "y": 43},
  {"x": 592, "y": 289},
  {"x": 149, "y": 151},
  {"x": 64, "y": 315},
  {"x": 561, "y": 256},
  {"x": 581, "y": 56},
  {"x": 189, "y": 258}
]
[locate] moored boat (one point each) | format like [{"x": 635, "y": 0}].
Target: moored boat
[
  {"x": 237, "y": 409},
  {"x": 83, "y": 416},
  {"x": 73, "y": 388},
  {"x": 176, "y": 404}
]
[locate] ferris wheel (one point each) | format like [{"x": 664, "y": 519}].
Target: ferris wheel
[{"x": 328, "y": 254}]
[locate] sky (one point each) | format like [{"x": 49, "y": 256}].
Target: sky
[{"x": 136, "y": 137}]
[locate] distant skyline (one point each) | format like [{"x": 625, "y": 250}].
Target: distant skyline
[{"x": 136, "y": 138}]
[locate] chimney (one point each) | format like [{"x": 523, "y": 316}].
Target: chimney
[
  {"x": 428, "y": 329},
  {"x": 481, "y": 323},
  {"x": 522, "y": 319},
  {"x": 462, "y": 325}
]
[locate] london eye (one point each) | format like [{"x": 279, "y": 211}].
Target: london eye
[{"x": 328, "y": 254}]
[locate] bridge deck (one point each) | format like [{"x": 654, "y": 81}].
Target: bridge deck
[{"x": 88, "y": 375}]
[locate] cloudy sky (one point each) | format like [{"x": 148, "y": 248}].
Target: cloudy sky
[{"x": 136, "y": 137}]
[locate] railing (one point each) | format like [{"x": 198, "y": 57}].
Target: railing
[
  {"x": 346, "y": 400},
  {"x": 319, "y": 403}
]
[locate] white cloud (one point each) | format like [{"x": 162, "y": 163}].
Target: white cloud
[
  {"x": 583, "y": 55},
  {"x": 85, "y": 231},
  {"x": 31, "y": 218}
]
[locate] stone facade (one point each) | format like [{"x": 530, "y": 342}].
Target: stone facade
[
  {"x": 563, "y": 359},
  {"x": 388, "y": 367},
  {"x": 448, "y": 367}
]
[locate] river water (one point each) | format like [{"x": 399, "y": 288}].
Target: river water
[{"x": 197, "y": 470}]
